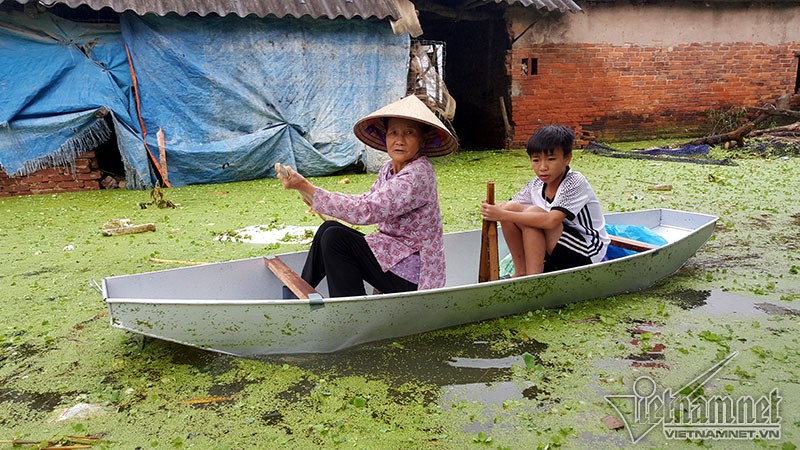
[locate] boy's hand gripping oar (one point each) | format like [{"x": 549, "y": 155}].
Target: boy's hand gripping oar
[{"x": 489, "y": 268}]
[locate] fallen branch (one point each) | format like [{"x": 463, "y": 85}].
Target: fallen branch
[
  {"x": 772, "y": 111},
  {"x": 735, "y": 135},
  {"x": 73, "y": 442},
  {"x": 787, "y": 130},
  {"x": 748, "y": 128},
  {"x": 157, "y": 198},
  {"x": 177, "y": 261},
  {"x": 50, "y": 445},
  {"x": 203, "y": 400}
]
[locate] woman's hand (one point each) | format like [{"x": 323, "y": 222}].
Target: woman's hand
[
  {"x": 293, "y": 180},
  {"x": 492, "y": 212}
]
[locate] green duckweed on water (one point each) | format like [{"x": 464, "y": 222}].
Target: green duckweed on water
[{"x": 546, "y": 373}]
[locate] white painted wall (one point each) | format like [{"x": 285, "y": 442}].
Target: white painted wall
[{"x": 663, "y": 24}]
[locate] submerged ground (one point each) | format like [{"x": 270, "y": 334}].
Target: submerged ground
[{"x": 537, "y": 380}]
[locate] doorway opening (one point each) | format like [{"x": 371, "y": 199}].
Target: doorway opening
[
  {"x": 109, "y": 160},
  {"x": 475, "y": 73}
]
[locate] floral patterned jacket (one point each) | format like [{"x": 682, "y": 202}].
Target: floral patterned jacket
[{"x": 405, "y": 207}]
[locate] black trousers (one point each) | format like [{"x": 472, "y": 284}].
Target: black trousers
[{"x": 343, "y": 255}]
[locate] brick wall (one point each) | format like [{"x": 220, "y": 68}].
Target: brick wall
[
  {"x": 626, "y": 91},
  {"x": 86, "y": 176}
]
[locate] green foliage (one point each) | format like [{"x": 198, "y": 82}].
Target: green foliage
[
  {"x": 724, "y": 121},
  {"x": 482, "y": 438},
  {"x": 358, "y": 402},
  {"x": 530, "y": 361}
]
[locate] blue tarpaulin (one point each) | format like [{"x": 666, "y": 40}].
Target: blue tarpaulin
[
  {"x": 232, "y": 95},
  {"x": 685, "y": 150},
  {"x": 54, "y": 76},
  {"x": 636, "y": 232}
]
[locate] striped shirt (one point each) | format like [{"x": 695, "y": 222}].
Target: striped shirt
[{"x": 575, "y": 198}]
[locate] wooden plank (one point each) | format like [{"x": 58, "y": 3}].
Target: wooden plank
[
  {"x": 292, "y": 280},
  {"x": 177, "y": 261},
  {"x": 489, "y": 267},
  {"x": 162, "y": 155},
  {"x": 631, "y": 244},
  {"x": 128, "y": 229}
]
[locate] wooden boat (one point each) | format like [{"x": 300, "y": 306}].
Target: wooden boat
[{"x": 236, "y": 307}]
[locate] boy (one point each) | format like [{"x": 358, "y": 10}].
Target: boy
[{"x": 555, "y": 222}]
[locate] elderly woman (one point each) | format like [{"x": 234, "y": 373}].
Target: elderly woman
[{"x": 406, "y": 253}]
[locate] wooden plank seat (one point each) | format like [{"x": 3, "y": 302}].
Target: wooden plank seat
[
  {"x": 291, "y": 279},
  {"x": 631, "y": 244}
]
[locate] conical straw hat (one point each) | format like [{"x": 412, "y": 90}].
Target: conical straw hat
[{"x": 371, "y": 129}]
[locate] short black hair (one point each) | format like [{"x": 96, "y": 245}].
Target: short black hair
[{"x": 550, "y": 137}]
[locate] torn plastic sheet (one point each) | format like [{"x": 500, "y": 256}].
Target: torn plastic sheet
[{"x": 233, "y": 95}]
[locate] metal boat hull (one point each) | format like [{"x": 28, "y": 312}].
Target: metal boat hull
[{"x": 234, "y": 307}]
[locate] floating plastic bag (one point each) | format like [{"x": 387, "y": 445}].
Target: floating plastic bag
[{"x": 506, "y": 267}]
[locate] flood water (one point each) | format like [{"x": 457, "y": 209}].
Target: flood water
[
  {"x": 470, "y": 369},
  {"x": 474, "y": 369},
  {"x": 721, "y": 303}
]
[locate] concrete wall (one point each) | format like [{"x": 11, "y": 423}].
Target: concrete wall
[{"x": 622, "y": 71}]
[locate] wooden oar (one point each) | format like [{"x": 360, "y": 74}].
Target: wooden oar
[{"x": 489, "y": 268}]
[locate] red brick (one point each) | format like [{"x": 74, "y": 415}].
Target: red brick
[
  {"x": 88, "y": 176},
  {"x": 54, "y": 179},
  {"x": 621, "y": 91}
]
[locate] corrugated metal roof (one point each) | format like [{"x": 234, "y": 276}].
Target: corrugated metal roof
[
  {"x": 331, "y": 9},
  {"x": 550, "y": 5}
]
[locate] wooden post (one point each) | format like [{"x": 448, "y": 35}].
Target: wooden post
[
  {"x": 506, "y": 124},
  {"x": 162, "y": 156},
  {"x": 489, "y": 268}
]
